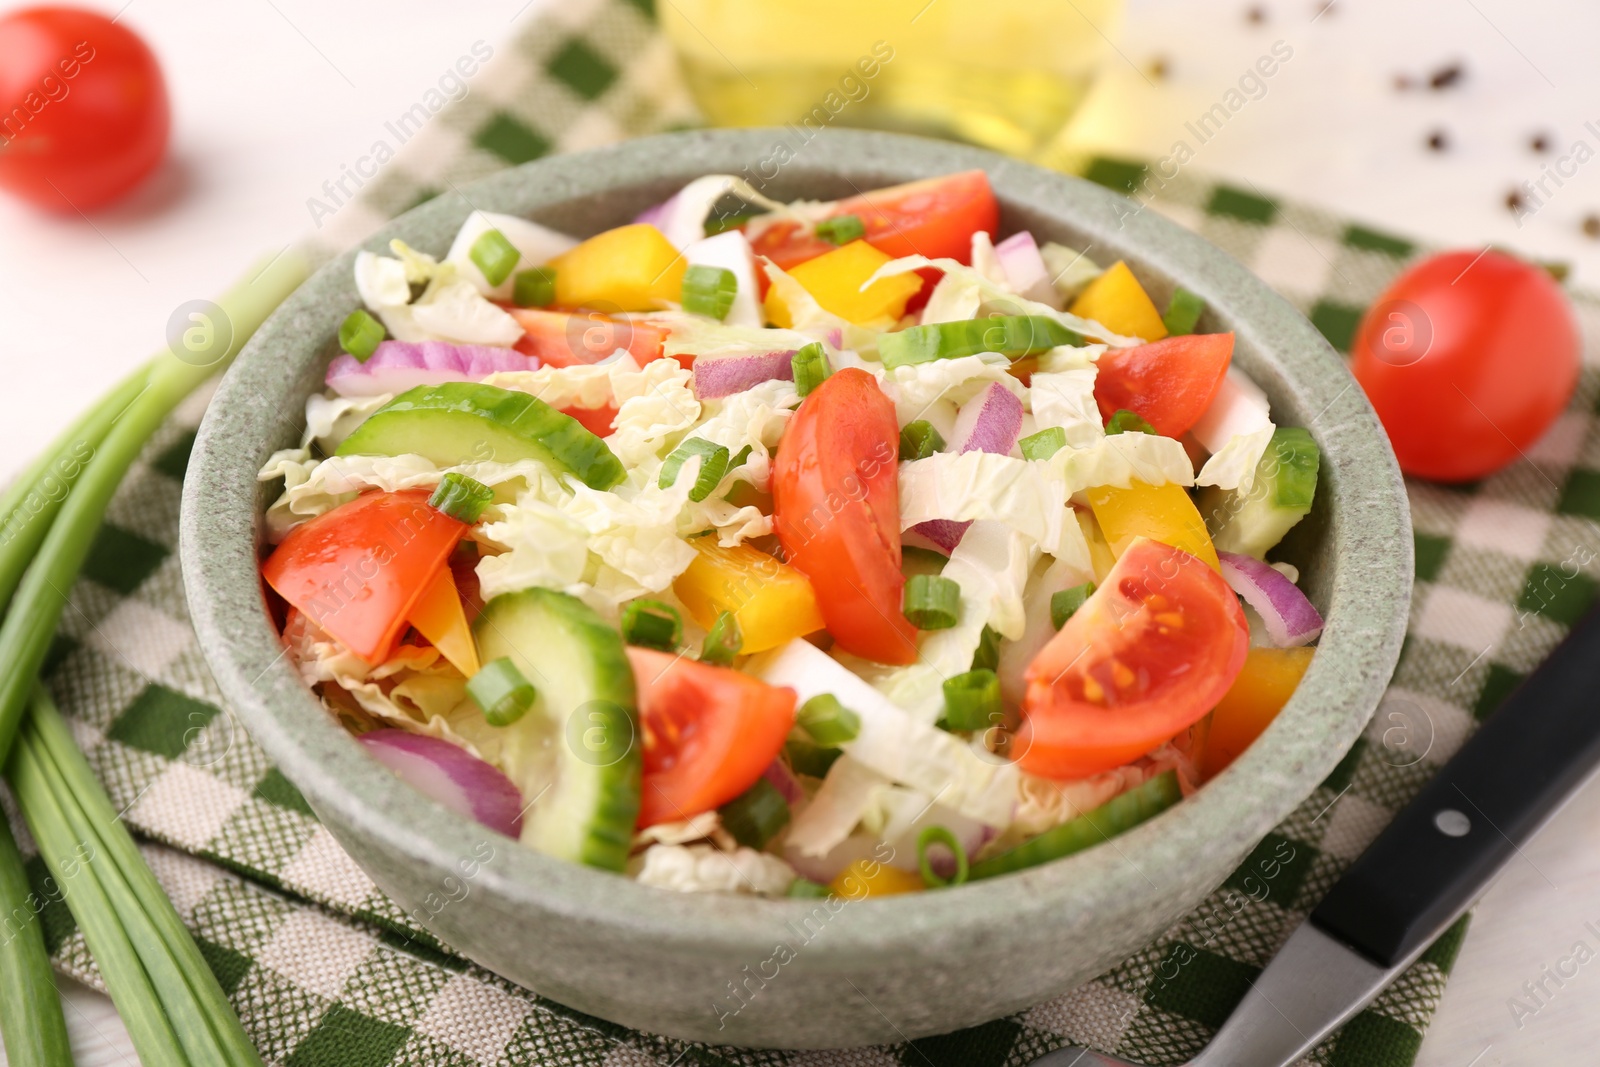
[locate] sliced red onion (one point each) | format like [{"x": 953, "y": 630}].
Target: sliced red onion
[
  {"x": 716, "y": 376},
  {"x": 784, "y": 780},
  {"x": 400, "y": 365},
  {"x": 1024, "y": 266},
  {"x": 1289, "y": 616},
  {"x": 653, "y": 216},
  {"x": 836, "y": 338},
  {"x": 989, "y": 422},
  {"x": 827, "y": 867},
  {"x": 450, "y": 775},
  {"x": 942, "y": 534}
]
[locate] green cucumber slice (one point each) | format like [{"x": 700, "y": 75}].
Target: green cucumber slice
[
  {"x": 1284, "y": 488},
  {"x": 467, "y": 422},
  {"x": 1012, "y": 335},
  {"x": 1115, "y": 816},
  {"x": 576, "y": 754}
]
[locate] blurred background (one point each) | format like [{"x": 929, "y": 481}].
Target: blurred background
[{"x": 1459, "y": 123}]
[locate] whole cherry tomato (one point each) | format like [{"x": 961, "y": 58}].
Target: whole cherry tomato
[
  {"x": 83, "y": 108},
  {"x": 1467, "y": 359}
]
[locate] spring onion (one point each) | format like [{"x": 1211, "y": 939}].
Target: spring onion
[
  {"x": 1117, "y": 815},
  {"x": 1183, "y": 312},
  {"x": 1010, "y": 335},
  {"x": 755, "y": 816},
  {"x": 972, "y": 701},
  {"x": 534, "y": 287},
  {"x": 806, "y": 889},
  {"x": 502, "y": 691},
  {"x": 987, "y": 656},
  {"x": 360, "y": 335},
  {"x": 460, "y": 497},
  {"x": 723, "y": 641},
  {"x": 810, "y": 367},
  {"x": 841, "y": 229},
  {"x": 1125, "y": 421},
  {"x": 713, "y": 465},
  {"x": 932, "y": 601},
  {"x": 919, "y": 440},
  {"x": 652, "y": 624},
  {"x": 1065, "y": 602},
  {"x": 1044, "y": 444},
  {"x": 709, "y": 290},
  {"x": 941, "y": 835},
  {"x": 811, "y": 760},
  {"x": 31, "y": 1022},
  {"x": 495, "y": 256},
  {"x": 827, "y": 722}
]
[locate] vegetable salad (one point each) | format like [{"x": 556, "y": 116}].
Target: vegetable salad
[{"x": 783, "y": 548}]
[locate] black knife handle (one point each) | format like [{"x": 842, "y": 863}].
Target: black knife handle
[{"x": 1442, "y": 850}]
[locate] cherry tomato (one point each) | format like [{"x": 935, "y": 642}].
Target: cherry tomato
[
  {"x": 836, "y": 509},
  {"x": 1467, "y": 361},
  {"x": 83, "y": 108},
  {"x": 935, "y": 217},
  {"x": 566, "y": 339},
  {"x": 1170, "y": 383},
  {"x": 357, "y": 571},
  {"x": 708, "y": 733},
  {"x": 1145, "y": 657}
]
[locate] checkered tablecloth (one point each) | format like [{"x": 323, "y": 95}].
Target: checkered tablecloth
[{"x": 327, "y": 972}]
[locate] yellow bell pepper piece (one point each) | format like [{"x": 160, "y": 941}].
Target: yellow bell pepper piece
[
  {"x": 1118, "y": 302},
  {"x": 772, "y": 601},
  {"x": 630, "y": 268},
  {"x": 835, "y": 279},
  {"x": 1101, "y": 559},
  {"x": 439, "y": 617},
  {"x": 1162, "y": 513},
  {"x": 869, "y": 878},
  {"x": 1269, "y": 678}
]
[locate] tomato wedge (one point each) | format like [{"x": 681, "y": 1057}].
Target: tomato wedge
[
  {"x": 566, "y": 339},
  {"x": 836, "y": 509},
  {"x": 935, "y": 217},
  {"x": 1170, "y": 383},
  {"x": 708, "y": 733},
  {"x": 1148, "y": 655},
  {"x": 357, "y": 571}
]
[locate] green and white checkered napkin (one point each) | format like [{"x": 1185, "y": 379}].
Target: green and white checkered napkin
[{"x": 327, "y": 972}]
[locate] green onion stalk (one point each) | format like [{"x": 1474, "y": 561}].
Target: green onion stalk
[{"x": 175, "y": 1011}]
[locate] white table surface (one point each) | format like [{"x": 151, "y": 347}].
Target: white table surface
[{"x": 272, "y": 96}]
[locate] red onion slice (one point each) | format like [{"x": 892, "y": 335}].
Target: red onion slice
[
  {"x": 1024, "y": 265},
  {"x": 400, "y": 365},
  {"x": 1289, "y": 616},
  {"x": 784, "y": 780},
  {"x": 450, "y": 775},
  {"x": 716, "y": 376},
  {"x": 989, "y": 422}
]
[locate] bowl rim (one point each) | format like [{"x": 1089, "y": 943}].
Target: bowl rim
[{"x": 1367, "y": 595}]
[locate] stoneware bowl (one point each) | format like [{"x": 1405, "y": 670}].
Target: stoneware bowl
[{"x": 788, "y": 973}]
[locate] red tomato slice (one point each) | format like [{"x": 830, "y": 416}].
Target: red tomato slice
[
  {"x": 935, "y": 217},
  {"x": 596, "y": 420},
  {"x": 566, "y": 339},
  {"x": 1170, "y": 382},
  {"x": 1148, "y": 655},
  {"x": 836, "y": 507},
  {"x": 357, "y": 571},
  {"x": 708, "y": 733}
]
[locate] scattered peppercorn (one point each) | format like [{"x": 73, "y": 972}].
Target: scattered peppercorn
[
  {"x": 1539, "y": 143},
  {"x": 1403, "y": 83},
  {"x": 1159, "y": 68},
  {"x": 1445, "y": 77},
  {"x": 1591, "y": 226},
  {"x": 1256, "y": 15},
  {"x": 1438, "y": 141},
  {"x": 1513, "y": 200}
]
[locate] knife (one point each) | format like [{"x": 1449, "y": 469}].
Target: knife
[{"x": 1423, "y": 871}]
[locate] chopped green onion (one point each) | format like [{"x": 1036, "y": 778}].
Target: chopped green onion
[
  {"x": 810, "y": 368},
  {"x": 534, "y": 287},
  {"x": 360, "y": 335},
  {"x": 719, "y": 222},
  {"x": 31, "y": 1022},
  {"x": 652, "y": 624},
  {"x": 1125, "y": 421},
  {"x": 723, "y": 641},
  {"x": 972, "y": 701},
  {"x": 495, "y": 256},
  {"x": 709, "y": 290},
  {"x": 713, "y": 465},
  {"x": 806, "y": 889},
  {"x": 739, "y": 457},
  {"x": 1044, "y": 444},
  {"x": 828, "y": 722},
  {"x": 1009, "y": 335},
  {"x": 1293, "y": 459},
  {"x": 940, "y": 835},
  {"x": 1182, "y": 312},
  {"x": 919, "y": 440},
  {"x": 932, "y": 601},
  {"x": 987, "y": 657},
  {"x": 502, "y": 691},
  {"x": 755, "y": 816},
  {"x": 810, "y": 760},
  {"x": 460, "y": 497},
  {"x": 915, "y": 560},
  {"x": 1065, "y": 603},
  {"x": 841, "y": 229}
]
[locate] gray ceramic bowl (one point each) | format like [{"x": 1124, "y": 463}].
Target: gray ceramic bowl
[{"x": 875, "y": 970}]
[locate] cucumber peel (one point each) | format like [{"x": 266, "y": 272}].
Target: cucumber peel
[
  {"x": 1011, "y": 335},
  {"x": 1117, "y": 815}
]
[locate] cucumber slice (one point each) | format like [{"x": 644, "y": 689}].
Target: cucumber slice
[
  {"x": 466, "y": 422},
  {"x": 1115, "y": 816},
  {"x": 1281, "y": 495},
  {"x": 576, "y": 754}
]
